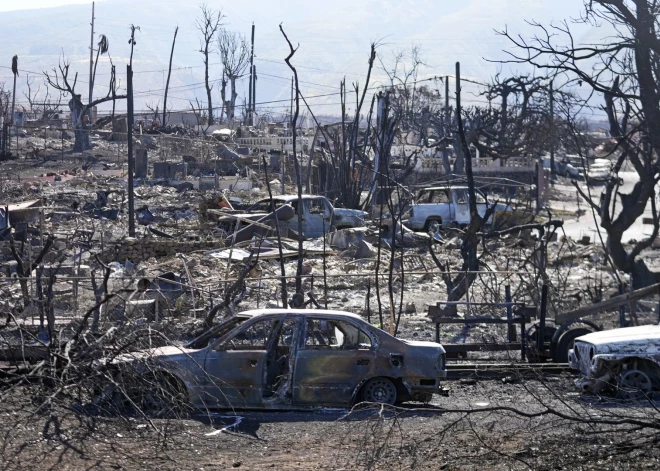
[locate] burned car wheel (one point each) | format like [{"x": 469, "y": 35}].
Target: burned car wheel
[
  {"x": 633, "y": 384},
  {"x": 380, "y": 390},
  {"x": 432, "y": 225},
  {"x": 158, "y": 395},
  {"x": 566, "y": 342}
]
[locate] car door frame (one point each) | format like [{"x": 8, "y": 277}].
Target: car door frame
[
  {"x": 337, "y": 391},
  {"x": 246, "y": 365},
  {"x": 461, "y": 210},
  {"x": 314, "y": 223}
]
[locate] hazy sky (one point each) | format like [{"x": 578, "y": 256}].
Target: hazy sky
[
  {"x": 334, "y": 41},
  {"x": 9, "y": 5}
]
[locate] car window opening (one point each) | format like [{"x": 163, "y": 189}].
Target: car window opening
[{"x": 336, "y": 335}]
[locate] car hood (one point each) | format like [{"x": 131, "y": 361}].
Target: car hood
[
  {"x": 250, "y": 216},
  {"x": 633, "y": 336},
  {"x": 350, "y": 212},
  {"x": 169, "y": 353}
]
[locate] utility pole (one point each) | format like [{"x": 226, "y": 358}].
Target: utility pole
[
  {"x": 91, "y": 63},
  {"x": 14, "y": 70},
  {"x": 130, "y": 117},
  {"x": 553, "y": 173},
  {"x": 282, "y": 165},
  {"x": 445, "y": 150},
  {"x": 131, "y": 202},
  {"x": 250, "y": 104},
  {"x": 254, "y": 91}
]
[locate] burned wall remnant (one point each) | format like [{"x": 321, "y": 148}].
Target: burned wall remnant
[
  {"x": 141, "y": 163},
  {"x": 138, "y": 250},
  {"x": 170, "y": 170}
]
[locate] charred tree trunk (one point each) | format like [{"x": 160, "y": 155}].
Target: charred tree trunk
[
  {"x": 223, "y": 95},
  {"x": 80, "y": 127},
  {"x": 169, "y": 73},
  {"x": 232, "y": 99}
]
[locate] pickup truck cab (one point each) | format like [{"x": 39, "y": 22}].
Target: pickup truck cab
[
  {"x": 443, "y": 205},
  {"x": 317, "y": 214}
]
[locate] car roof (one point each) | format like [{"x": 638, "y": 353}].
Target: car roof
[
  {"x": 290, "y": 197},
  {"x": 447, "y": 187},
  {"x": 298, "y": 312}
]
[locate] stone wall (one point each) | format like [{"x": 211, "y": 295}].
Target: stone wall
[{"x": 138, "y": 250}]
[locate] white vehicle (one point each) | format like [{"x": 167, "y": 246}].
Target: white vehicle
[
  {"x": 444, "y": 205},
  {"x": 600, "y": 172},
  {"x": 566, "y": 169},
  {"x": 624, "y": 360}
]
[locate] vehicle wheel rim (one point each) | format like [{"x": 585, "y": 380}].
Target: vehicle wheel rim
[
  {"x": 161, "y": 398},
  {"x": 382, "y": 391},
  {"x": 634, "y": 384}
]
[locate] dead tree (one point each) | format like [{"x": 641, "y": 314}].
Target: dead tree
[
  {"x": 457, "y": 287},
  {"x": 154, "y": 113},
  {"x": 103, "y": 46},
  {"x": 627, "y": 74},
  {"x": 294, "y": 122},
  {"x": 169, "y": 73},
  {"x": 234, "y": 52},
  {"x": 99, "y": 292},
  {"x": 384, "y": 133},
  {"x": 24, "y": 267},
  {"x": 200, "y": 116},
  {"x": 5, "y": 101},
  {"x": 208, "y": 26},
  {"x": 345, "y": 157},
  {"x": 31, "y": 95},
  {"x": 59, "y": 79}
]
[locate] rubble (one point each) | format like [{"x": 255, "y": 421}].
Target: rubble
[{"x": 207, "y": 242}]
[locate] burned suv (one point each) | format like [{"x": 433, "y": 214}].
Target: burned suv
[{"x": 625, "y": 361}]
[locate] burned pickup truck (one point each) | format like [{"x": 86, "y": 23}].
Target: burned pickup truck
[
  {"x": 624, "y": 361},
  {"x": 281, "y": 359},
  {"x": 445, "y": 205},
  {"x": 317, "y": 214}
]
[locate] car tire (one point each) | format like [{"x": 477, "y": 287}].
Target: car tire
[
  {"x": 566, "y": 343},
  {"x": 380, "y": 390},
  {"x": 163, "y": 396},
  {"x": 633, "y": 384},
  {"x": 432, "y": 224}
]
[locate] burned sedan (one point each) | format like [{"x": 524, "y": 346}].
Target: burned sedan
[
  {"x": 287, "y": 359},
  {"x": 625, "y": 361}
]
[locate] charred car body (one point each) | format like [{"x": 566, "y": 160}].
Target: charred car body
[
  {"x": 445, "y": 205},
  {"x": 317, "y": 214},
  {"x": 626, "y": 361},
  {"x": 287, "y": 359}
]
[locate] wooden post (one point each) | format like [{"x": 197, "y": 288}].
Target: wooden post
[
  {"x": 622, "y": 309},
  {"x": 540, "y": 340},
  {"x": 511, "y": 330},
  {"x": 14, "y": 67}
]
